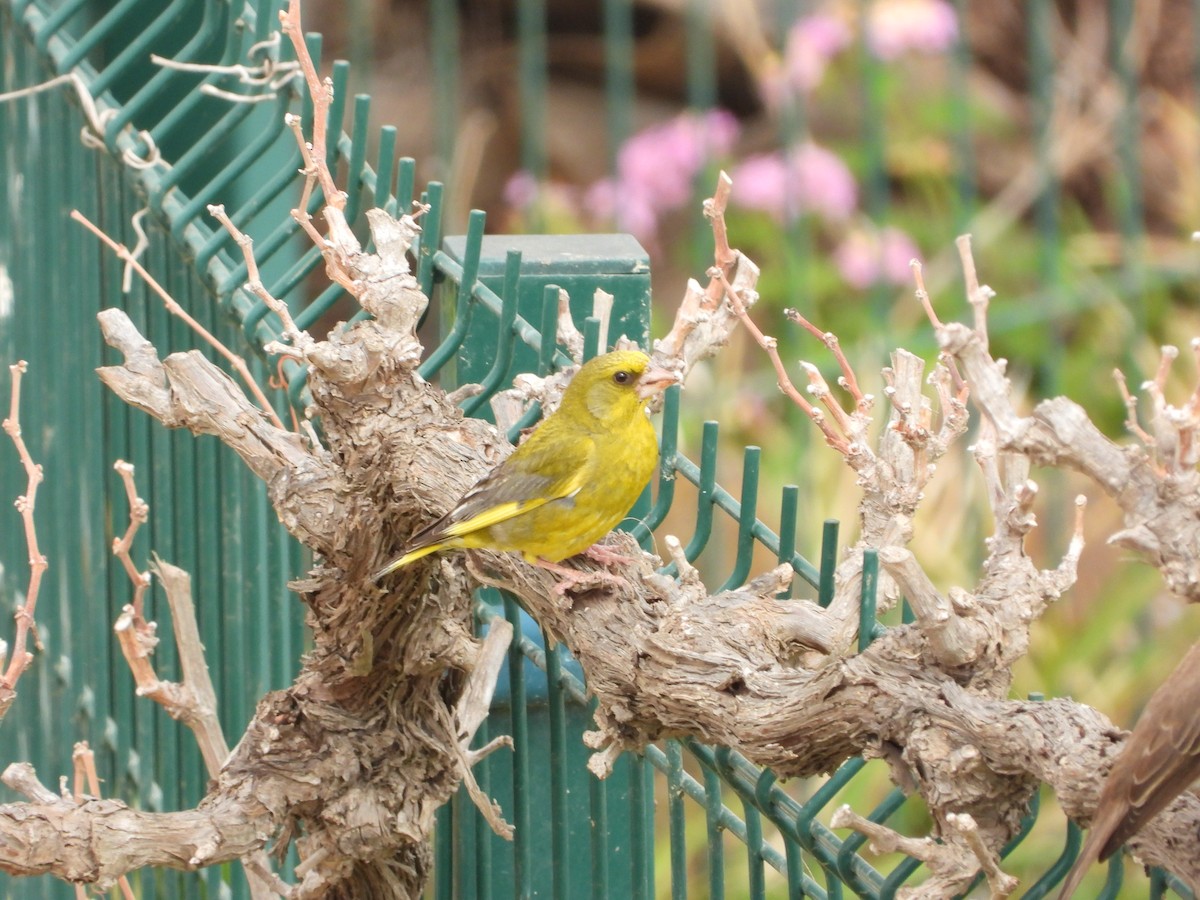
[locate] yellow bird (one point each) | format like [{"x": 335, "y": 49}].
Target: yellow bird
[{"x": 571, "y": 481}]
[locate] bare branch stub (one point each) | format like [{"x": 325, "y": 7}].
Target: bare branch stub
[
  {"x": 19, "y": 657},
  {"x": 1131, "y": 419},
  {"x": 923, "y": 294},
  {"x": 192, "y": 701},
  {"x": 341, "y": 242},
  {"x": 714, "y": 210},
  {"x": 946, "y": 858},
  {"x": 321, "y": 91},
  {"x": 300, "y": 340},
  {"x": 977, "y": 295},
  {"x": 87, "y": 782},
  {"x": 721, "y": 667},
  {"x": 704, "y": 321},
  {"x": 848, "y": 380},
  {"x": 138, "y": 515},
  {"x": 1157, "y": 492},
  {"x": 837, "y": 440}
]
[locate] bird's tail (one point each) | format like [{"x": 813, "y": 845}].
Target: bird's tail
[
  {"x": 1087, "y": 856},
  {"x": 404, "y": 560}
]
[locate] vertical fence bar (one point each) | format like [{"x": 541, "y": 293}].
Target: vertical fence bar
[
  {"x": 829, "y": 555},
  {"x": 444, "y": 40},
  {"x": 358, "y": 156},
  {"x": 749, "y": 507},
  {"x": 559, "y": 782},
  {"x": 466, "y": 303},
  {"x": 875, "y": 176},
  {"x": 1128, "y": 178},
  {"x": 796, "y": 246},
  {"x": 548, "y": 330},
  {"x": 716, "y": 847},
  {"x": 1042, "y": 30},
  {"x": 360, "y": 35},
  {"x": 701, "y": 55},
  {"x": 965, "y": 194},
  {"x": 431, "y": 236},
  {"x": 619, "y": 85},
  {"x": 641, "y": 831},
  {"x": 591, "y": 338},
  {"x": 406, "y": 174},
  {"x": 754, "y": 847},
  {"x": 788, "y": 514},
  {"x": 676, "y": 820},
  {"x": 483, "y": 860},
  {"x": 522, "y": 815},
  {"x": 1040, "y": 36},
  {"x": 708, "y": 483},
  {"x": 868, "y": 599},
  {"x": 498, "y": 373},
  {"x": 531, "y": 75},
  {"x": 443, "y": 856}
]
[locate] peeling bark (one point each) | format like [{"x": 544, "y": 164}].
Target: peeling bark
[{"x": 352, "y": 760}]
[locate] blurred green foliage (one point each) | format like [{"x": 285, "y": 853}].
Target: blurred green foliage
[{"x": 1077, "y": 296}]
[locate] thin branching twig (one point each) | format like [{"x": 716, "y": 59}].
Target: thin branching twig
[
  {"x": 20, "y": 658},
  {"x": 238, "y": 363}
]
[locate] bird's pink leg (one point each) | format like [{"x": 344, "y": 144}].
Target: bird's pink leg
[
  {"x": 602, "y": 554},
  {"x": 573, "y": 578}
]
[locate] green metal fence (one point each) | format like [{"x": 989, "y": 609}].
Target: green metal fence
[{"x": 209, "y": 516}]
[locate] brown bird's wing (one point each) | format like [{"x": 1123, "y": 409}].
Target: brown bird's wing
[
  {"x": 524, "y": 481},
  {"x": 1164, "y": 755},
  {"x": 1159, "y": 761}
]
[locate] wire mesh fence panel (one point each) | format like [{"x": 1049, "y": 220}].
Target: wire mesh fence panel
[{"x": 682, "y": 818}]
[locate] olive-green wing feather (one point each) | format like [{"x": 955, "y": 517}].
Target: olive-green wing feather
[{"x": 539, "y": 471}]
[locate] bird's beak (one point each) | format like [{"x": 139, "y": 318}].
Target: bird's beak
[{"x": 655, "y": 380}]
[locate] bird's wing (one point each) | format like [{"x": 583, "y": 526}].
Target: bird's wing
[
  {"x": 1159, "y": 760},
  {"x": 1164, "y": 752},
  {"x": 522, "y": 482}
]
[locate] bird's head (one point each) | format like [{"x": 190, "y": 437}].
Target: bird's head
[{"x": 615, "y": 387}]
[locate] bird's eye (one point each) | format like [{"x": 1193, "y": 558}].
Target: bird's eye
[{"x": 622, "y": 377}]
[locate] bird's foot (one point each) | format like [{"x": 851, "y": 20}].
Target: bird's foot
[
  {"x": 575, "y": 578},
  {"x": 606, "y": 556}
]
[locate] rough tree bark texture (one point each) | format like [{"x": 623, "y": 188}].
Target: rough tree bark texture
[{"x": 352, "y": 760}]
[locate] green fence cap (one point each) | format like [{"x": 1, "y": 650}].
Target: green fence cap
[{"x": 558, "y": 254}]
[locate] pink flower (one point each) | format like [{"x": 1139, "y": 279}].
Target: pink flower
[
  {"x": 867, "y": 257},
  {"x": 760, "y": 182},
  {"x": 657, "y": 166},
  {"x": 521, "y": 190},
  {"x": 811, "y": 43},
  {"x": 897, "y": 26},
  {"x": 661, "y": 161},
  {"x": 810, "y": 179},
  {"x": 600, "y": 199},
  {"x": 630, "y": 210}
]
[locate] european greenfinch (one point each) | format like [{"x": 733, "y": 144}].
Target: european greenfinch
[
  {"x": 1160, "y": 759},
  {"x": 571, "y": 481}
]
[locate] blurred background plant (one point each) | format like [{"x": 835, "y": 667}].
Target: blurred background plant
[{"x": 859, "y": 134}]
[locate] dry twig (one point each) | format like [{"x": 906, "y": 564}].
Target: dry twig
[
  {"x": 18, "y": 657},
  {"x": 123, "y": 253},
  {"x": 300, "y": 340},
  {"x": 194, "y": 700}
]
